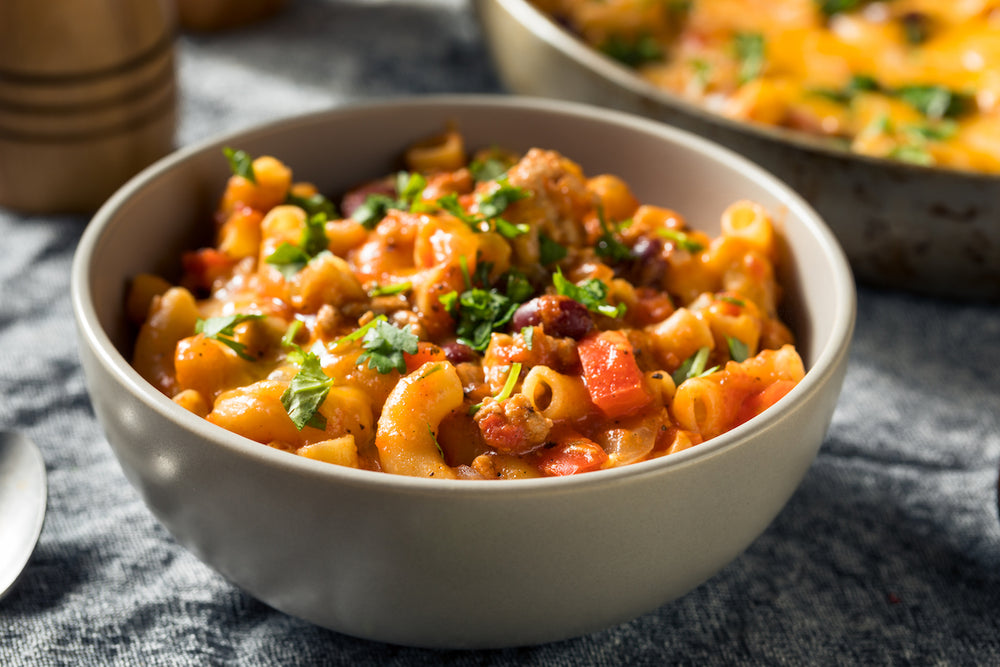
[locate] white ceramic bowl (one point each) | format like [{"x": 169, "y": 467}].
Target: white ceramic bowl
[
  {"x": 443, "y": 563},
  {"x": 928, "y": 230}
]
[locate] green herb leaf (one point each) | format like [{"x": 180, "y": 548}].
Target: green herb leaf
[
  {"x": 549, "y": 251},
  {"x": 372, "y": 210},
  {"x": 409, "y": 188},
  {"x": 223, "y": 329},
  {"x": 912, "y": 155},
  {"x": 680, "y": 239},
  {"x": 490, "y": 169},
  {"x": 831, "y": 7},
  {"x": 240, "y": 163},
  {"x": 693, "y": 366},
  {"x": 935, "y": 102},
  {"x": 750, "y": 50},
  {"x": 288, "y": 339},
  {"x": 608, "y": 246},
  {"x": 509, "y": 230},
  {"x": 508, "y": 386},
  {"x": 384, "y": 346},
  {"x": 306, "y": 392},
  {"x": 738, "y": 350},
  {"x": 528, "y": 333},
  {"x": 360, "y": 332},
  {"x": 437, "y": 444},
  {"x": 733, "y": 300},
  {"x": 492, "y": 204},
  {"x": 633, "y": 52},
  {"x": 313, "y": 205},
  {"x": 389, "y": 290},
  {"x": 449, "y": 300},
  {"x": 592, "y": 293},
  {"x": 290, "y": 259}
]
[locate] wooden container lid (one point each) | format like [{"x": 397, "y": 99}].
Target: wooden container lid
[{"x": 87, "y": 98}]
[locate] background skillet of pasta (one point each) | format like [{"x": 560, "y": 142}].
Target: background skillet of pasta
[
  {"x": 904, "y": 220},
  {"x": 351, "y": 525}
]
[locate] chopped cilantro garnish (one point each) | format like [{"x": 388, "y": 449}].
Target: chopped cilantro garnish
[
  {"x": 693, "y": 366},
  {"x": 508, "y": 386},
  {"x": 409, "y": 188},
  {"x": 607, "y": 245},
  {"x": 240, "y": 163},
  {"x": 288, "y": 340},
  {"x": 733, "y": 300},
  {"x": 223, "y": 329},
  {"x": 313, "y": 204},
  {"x": 489, "y": 169},
  {"x": 480, "y": 313},
  {"x": 306, "y": 392},
  {"x": 632, "y": 52},
  {"x": 490, "y": 206},
  {"x": 592, "y": 293},
  {"x": 518, "y": 288},
  {"x": 481, "y": 310},
  {"x": 372, "y": 210},
  {"x": 359, "y": 333},
  {"x": 935, "y": 102},
  {"x": 549, "y": 251},
  {"x": 433, "y": 435},
  {"x": 831, "y": 7},
  {"x": 702, "y": 71},
  {"x": 384, "y": 346},
  {"x": 509, "y": 230},
  {"x": 912, "y": 154},
  {"x": 528, "y": 333},
  {"x": 389, "y": 290},
  {"x": 738, "y": 350},
  {"x": 494, "y": 203},
  {"x": 750, "y": 51},
  {"x": 290, "y": 259},
  {"x": 680, "y": 239},
  {"x": 449, "y": 300},
  {"x": 940, "y": 131}
]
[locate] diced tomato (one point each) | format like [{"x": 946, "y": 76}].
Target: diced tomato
[
  {"x": 756, "y": 403},
  {"x": 570, "y": 456},
  {"x": 202, "y": 267},
  {"x": 425, "y": 352},
  {"x": 612, "y": 376}
]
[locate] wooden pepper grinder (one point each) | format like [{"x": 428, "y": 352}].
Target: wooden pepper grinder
[{"x": 87, "y": 98}]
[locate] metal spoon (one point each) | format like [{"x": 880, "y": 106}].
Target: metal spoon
[{"x": 23, "y": 493}]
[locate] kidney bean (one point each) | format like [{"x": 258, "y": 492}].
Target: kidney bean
[
  {"x": 457, "y": 352},
  {"x": 558, "y": 315},
  {"x": 647, "y": 266},
  {"x": 526, "y": 315}
]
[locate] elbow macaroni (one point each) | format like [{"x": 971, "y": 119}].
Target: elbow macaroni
[{"x": 499, "y": 317}]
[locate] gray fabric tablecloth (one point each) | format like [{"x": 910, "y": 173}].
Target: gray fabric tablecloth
[{"x": 889, "y": 552}]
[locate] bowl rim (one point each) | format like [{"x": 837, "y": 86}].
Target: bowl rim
[
  {"x": 547, "y": 30},
  {"x": 92, "y": 335}
]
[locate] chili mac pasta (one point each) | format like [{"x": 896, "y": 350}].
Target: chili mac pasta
[{"x": 499, "y": 317}]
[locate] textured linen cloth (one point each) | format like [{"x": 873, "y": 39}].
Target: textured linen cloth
[{"x": 889, "y": 552}]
